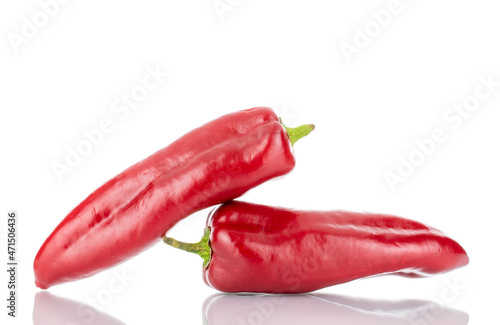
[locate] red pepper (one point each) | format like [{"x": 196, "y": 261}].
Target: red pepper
[
  {"x": 212, "y": 164},
  {"x": 254, "y": 248}
]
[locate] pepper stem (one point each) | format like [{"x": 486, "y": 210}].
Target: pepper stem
[
  {"x": 295, "y": 134},
  {"x": 201, "y": 248}
]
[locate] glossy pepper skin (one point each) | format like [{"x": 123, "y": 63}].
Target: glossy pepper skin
[
  {"x": 256, "y": 248},
  {"x": 214, "y": 163}
]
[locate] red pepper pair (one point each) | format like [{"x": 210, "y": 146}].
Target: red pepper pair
[{"x": 246, "y": 247}]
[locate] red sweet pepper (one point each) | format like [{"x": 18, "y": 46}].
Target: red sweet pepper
[
  {"x": 212, "y": 164},
  {"x": 254, "y": 248}
]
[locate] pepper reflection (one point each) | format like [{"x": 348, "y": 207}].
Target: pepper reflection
[
  {"x": 53, "y": 310},
  {"x": 319, "y": 309}
]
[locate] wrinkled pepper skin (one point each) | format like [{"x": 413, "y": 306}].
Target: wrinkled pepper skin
[
  {"x": 214, "y": 163},
  {"x": 264, "y": 249}
]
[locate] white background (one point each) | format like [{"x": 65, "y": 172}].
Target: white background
[{"x": 64, "y": 78}]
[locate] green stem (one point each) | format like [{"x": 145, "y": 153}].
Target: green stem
[
  {"x": 201, "y": 248},
  {"x": 295, "y": 134}
]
